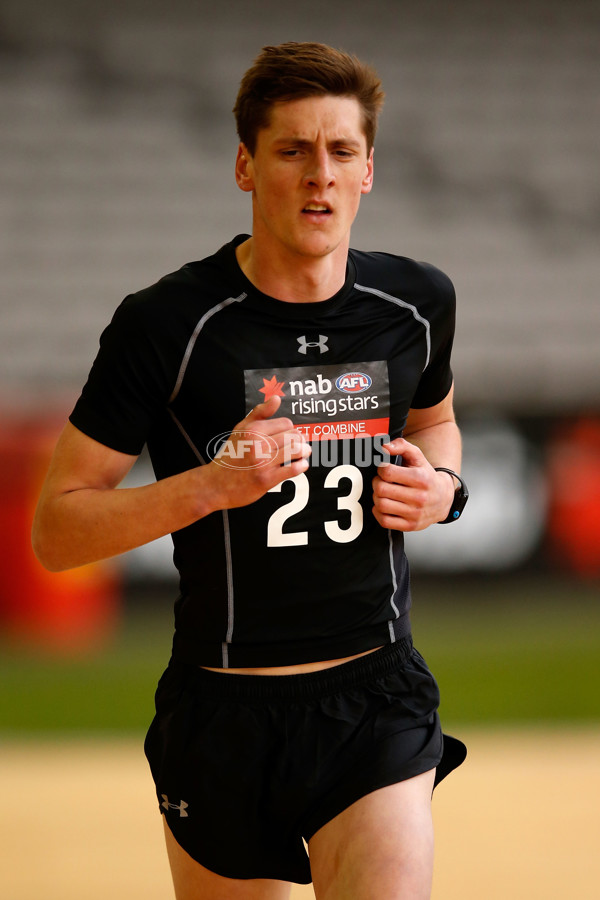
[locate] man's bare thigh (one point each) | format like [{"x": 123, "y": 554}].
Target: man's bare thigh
[{"x": 380, "y": 846}]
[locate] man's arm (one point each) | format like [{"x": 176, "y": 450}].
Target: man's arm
[
  {"x": 82, "y": 517},
  {"x": 413, "y": 496}
]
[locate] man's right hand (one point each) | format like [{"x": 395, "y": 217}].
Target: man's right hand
[{"x": 260, "y": 452}]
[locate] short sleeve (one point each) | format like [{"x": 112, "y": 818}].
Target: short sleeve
[
  {"x": 437, "y": 377},
  {"x": 129, "y": 383}
]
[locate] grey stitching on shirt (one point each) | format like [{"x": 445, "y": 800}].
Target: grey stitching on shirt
[
  {"x": 403, "y": 303},
  {"x": 192, "y": 341}
]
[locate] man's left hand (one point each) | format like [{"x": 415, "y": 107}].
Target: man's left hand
[{"x": 411, "y": 496}]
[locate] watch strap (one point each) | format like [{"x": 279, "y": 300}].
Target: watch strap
[{"x": 461, "y": 495}]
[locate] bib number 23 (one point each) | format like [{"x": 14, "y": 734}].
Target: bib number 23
[{"x": 277, "y": 537}]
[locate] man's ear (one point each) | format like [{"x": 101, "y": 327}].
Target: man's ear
[
  {"x": 243, "y": 169},
  {"x": 367, "y": 182}
]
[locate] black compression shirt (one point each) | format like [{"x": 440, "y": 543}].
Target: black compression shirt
[{"x": 305, "y": 573}]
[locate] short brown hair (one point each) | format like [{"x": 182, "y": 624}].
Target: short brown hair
[{"x": 294, "y": 71}]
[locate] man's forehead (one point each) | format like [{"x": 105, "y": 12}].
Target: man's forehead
[{"x": 303, "y": 119}]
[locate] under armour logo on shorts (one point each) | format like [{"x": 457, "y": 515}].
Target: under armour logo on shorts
[
  {"x": 182, "y": 807},
  {"x": 321, "y": 344}
]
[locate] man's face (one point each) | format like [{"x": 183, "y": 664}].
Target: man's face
[{"x": 307, "y": 174}]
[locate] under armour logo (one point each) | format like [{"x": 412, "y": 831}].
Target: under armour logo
[
  {"x": 321, "y": 344},
  {"x": 182, "y": 807}
]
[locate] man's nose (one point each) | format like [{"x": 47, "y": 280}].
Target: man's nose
[{"x": 320, "y": 172}]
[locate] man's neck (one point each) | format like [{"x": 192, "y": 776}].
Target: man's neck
[{"x": 295, "y": 280}]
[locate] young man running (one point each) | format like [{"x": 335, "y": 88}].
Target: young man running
[{"x": 294, "y": 708}]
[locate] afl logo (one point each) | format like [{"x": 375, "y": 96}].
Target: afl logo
[{"x": 353, "y": 383}]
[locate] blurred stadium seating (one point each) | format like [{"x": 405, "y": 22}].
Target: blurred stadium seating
[{"x": 116, "y": 166}]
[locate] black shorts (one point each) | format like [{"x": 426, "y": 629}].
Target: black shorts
[{"x": 247, "y": 766}]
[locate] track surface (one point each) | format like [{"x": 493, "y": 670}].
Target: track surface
[{"x": 520, "y": 820}]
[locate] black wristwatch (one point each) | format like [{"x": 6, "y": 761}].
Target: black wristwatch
[{"x": 461, "y": 495}]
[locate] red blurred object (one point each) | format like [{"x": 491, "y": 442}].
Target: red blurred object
[
  {"x": 70, "y": 612},
  {"x": 574, "y": 481}
]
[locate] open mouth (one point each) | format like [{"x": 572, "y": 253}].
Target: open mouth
[{"x": 317, "y": 209}]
